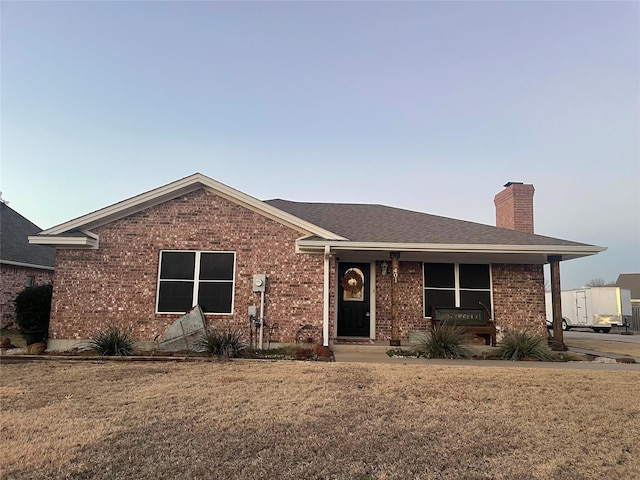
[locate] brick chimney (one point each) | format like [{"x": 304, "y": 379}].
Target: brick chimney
[{"x": 514, "y": 207}]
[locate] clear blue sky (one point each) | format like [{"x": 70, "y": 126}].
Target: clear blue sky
[{"x": 430, "y": 106}]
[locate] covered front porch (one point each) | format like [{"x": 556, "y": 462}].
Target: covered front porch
[{"x": 377, "y": 296}]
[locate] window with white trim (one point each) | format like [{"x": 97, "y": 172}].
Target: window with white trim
[
  {"x": 456, "y": 285},
  {"x": 189, "y": 278}
]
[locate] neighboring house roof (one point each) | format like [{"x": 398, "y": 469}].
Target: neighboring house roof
[
  {"x": 630, "y": 281},
  {"x": 340, "y": 226},
  {"x": 14, "y": 246}
]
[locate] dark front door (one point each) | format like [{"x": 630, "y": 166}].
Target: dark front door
[{"x": 353, "y": 300}]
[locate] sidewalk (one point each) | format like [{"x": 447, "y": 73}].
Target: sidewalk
[{"x": 377, "y": 354}]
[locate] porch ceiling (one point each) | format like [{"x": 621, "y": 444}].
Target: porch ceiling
[{"x": 441, "y": 257}]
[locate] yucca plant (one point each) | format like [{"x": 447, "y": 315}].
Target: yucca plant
[
  {"x": 227, "y": 344},
  {"x": 443, "y": 342},
  {"x": 520, "y": 345},
  {"x": 112, "y": 341}
]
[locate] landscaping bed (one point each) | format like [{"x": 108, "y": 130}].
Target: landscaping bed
[{"x": 306, "y": 352}]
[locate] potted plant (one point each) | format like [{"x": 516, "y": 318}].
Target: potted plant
[{"x": 33, "y": 308}]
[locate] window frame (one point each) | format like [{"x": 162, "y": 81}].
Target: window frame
[
  {"x": 456, "y": 288},
  {"x": 196, "y": 280}
]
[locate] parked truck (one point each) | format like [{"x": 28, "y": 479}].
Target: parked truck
[{"x": 598, "y": 308}]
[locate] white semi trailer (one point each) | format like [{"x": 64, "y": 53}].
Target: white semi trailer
[{"x": 598, "y": 308}]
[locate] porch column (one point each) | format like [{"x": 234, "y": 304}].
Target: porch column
[
  {"x": 395, "y": 331},
  {"x": 325, "y": 309},
  {"x": 557, "y": 342}
]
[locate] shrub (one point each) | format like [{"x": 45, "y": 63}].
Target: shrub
[
  {"x": 292, "y": 352},
  {"x": 284, "y": 352},
  {"x": 222, "y": 344},
  {"x": 519, "y": 345},
  {"x": 112, "y": 341},
  {"x": 304, "y": 353},
  {"x": 35, "y": 348},
  {"x": 33, "y": 308},
  {"x": 443, "y": 343},
  {"x": 320, "y": 352}
]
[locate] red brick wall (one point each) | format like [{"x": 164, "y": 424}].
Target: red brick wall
[
  {"x": 514, "y": 207},
  {"x": 518, "y": 297},
  {"x": 332, "y": 298},
  {"x": 116, "y": 284},
  {"x": 383, "y": 300},
  {"x": 13, "y": 279},
  {"x": 410, "y": 297}
]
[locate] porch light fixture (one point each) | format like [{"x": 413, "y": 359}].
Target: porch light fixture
[{"x": 384, "y": 268}]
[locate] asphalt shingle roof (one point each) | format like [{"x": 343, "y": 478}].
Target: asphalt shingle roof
[
  {"x": 380, "y": 223},
  {"x": 14, "y": 246}
]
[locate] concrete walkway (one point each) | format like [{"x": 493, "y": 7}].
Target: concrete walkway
[{"x": 378, "y": 354}]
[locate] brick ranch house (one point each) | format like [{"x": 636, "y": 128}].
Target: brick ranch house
[
  {"x": 340, "y": 270},
  {"x": 21, "y": 264}
]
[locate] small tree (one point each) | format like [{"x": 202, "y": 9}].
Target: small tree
[
  {"x": 597, "y": 282},
  {"x": 33, "y": 309}
]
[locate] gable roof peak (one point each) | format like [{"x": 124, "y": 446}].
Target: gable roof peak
[{"x": 174, "y": 190}]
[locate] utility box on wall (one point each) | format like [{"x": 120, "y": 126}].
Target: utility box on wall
[{"x": 259, "y": 282}]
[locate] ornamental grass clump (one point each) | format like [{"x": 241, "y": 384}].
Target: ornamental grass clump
[
  {"x": 112, "y": 341},
  {"x": 522, "y": 345},
  {"x": 443, "y": 342},
  {"x": 221, "y": 344}
]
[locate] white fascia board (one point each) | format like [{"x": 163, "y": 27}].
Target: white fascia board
[
  {"x": 61, "y": 241},
  {"x": 26, "y": 265},
  {"x": 582, "y": 250},
  {"x": 271, "y": 212},
  {"x": 181, "y": 187}
]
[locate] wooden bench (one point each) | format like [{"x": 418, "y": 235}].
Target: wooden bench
[{"x": 471, "y": 321}]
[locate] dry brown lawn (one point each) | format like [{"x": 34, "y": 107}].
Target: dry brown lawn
[{"x": 297, "y": 420}]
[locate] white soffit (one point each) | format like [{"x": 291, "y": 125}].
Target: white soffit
[
  {"x": 70, "y": 241},
  {"x": 572, "y": 251}
]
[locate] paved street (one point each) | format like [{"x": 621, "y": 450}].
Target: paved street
[{"x": 587, "y": 333}]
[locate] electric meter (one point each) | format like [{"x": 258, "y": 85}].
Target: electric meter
[{"x": 259, "y": 282}]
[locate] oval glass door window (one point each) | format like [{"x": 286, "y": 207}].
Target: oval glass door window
[{"x": 353, "y": 285}]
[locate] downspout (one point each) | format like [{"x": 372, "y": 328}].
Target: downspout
[
  {"x": 261, "y": 317},
  {"x": 325, "y": 309}
]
